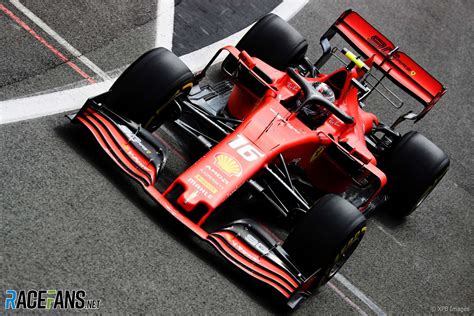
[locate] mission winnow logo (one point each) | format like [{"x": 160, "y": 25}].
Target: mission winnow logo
[{"x": 49, "y": 299}]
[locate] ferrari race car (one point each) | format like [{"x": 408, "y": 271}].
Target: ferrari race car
[{"x": 287, "y": 163}]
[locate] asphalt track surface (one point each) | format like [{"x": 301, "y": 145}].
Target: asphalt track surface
[{"x": 70, "y": 219}]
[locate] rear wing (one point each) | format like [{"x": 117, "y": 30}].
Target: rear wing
[{"x": 393, "y": 63}]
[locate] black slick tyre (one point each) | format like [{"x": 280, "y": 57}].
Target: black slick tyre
[
  {"x": 147, "y": 86},
  {"x": 326, "y": 237},
  {"x": 274, "y": 41},
  {"x": 413, "y": 166}
]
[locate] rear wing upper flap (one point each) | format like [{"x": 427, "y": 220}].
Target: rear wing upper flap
[{"x": 398, "y": 66}]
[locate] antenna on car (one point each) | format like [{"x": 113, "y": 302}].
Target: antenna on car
[{"x": 378, "y": 81}]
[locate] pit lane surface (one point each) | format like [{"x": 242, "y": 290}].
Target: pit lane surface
[{"x": 70, "y": 219}]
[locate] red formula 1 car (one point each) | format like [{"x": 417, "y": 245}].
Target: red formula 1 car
[{"x": 287, "y": 162}]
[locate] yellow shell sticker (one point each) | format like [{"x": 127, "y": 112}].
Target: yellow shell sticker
[
  {"x": 206, "y": 184},
  {"x": 317, "y": 153},
  {"x": 228, "y": 164}
]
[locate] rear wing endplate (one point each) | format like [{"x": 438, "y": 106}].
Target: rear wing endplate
[{"x": 393, "y": 63}]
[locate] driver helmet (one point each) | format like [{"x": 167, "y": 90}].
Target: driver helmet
[
  {"x": 315, "y": 115},
  {"x": 325, "y": 90}
]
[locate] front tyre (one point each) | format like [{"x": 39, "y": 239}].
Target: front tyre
[
  {"x": 143, "y": 93},
  {"x": 414, "y": 166},
  {"x": 326, "y": 237},
  {"x": 274, "y": 41}
]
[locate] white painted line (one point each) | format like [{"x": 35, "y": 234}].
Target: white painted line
[
  {"x": 164, "y": 23},
  {"x": 390, "y": 235},
  {"x": 47, "y": 104},
  {"x": 69, "y": 100},
  {"x": 46, "y": 44},
  {"x": 59, "y": 39},
  {"x": 359, "y": 294},
  {"x": 347, "y": 299},
  {"x": 288, "y": 8}
]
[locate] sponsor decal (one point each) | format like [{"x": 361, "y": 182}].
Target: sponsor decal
[
  {"x": 135, "y": 159},
  {"x": 206, "y": 184},
  {"x": 228, "y": 164},
  {"x": 255, "y": 243},
  {"x": 288, "y": 124},
  {"x": 49, "y": 299},
  {"x": 317, "y": 153},
  {"x": 385, "y": 48},
  {"x": 334, "y": 122},
  {"x": 133, "y": 138},
  {"x": 242, "y": 250},
  {"x": 199, "y": 188},
  {"x": 215, "y": 176},
  {"x": 292, "y": 86}
]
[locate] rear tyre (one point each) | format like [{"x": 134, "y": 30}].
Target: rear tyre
[
  {"x": 414, "y": 166},
  {"x": 274, "y": 41},
  {"x": 144, "y": 91},
  {"x": 326, "y": 237}
]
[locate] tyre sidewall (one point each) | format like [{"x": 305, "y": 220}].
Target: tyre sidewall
[
  {"x": 148, "y": 85},
  {"x": 412, "y": 167},
  {"x": 321, "y": 235}
]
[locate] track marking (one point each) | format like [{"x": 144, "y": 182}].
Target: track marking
[
  {"x": 359, "y": 294},
  {"x": 347, "y": 299},
  {"x": 40, "y": 39},
  {"x": 61, "y": 101},
  {"x": 35, "y": 19},
  {"x": 390, "y": 235},
  {"x": 164, "y": 23},
  {"x": 47, "y": 104}
]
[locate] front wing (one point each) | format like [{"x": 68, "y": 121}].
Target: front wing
[{"x": 245, "y": 244}]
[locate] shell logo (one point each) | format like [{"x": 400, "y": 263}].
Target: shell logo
[{"x": 228, "y": 164}]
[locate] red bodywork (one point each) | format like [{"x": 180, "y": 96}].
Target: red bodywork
[
  {"x": 403, "y": 70},
  {"x": 268, "y": 129}
]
